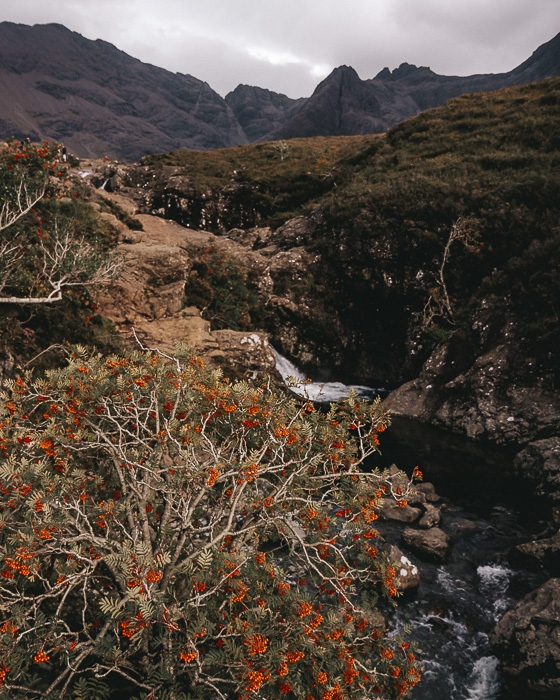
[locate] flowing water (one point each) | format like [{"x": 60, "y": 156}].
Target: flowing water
[{"x": 484, "y": 512}]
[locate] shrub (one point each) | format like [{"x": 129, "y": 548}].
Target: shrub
[
  {"x": 218, "y": 286},
  {"x": 167, "y": 533}
]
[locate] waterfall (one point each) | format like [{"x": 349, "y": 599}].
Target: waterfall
[{"x": 320, "y": 392}]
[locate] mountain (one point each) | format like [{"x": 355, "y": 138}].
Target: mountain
[
  {"x": 98, "y": 100},
  {"x": 57, "y": 84},
  {"x": 345, "y": 105},
  {"x": 260, "y": 112}
]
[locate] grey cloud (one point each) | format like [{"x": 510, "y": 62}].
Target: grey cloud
[{"x": 211, "y": 39}]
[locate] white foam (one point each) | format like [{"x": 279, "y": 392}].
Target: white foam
[
  {"x": 494, "y": 582},
  {"x": 484, "y": 683},
  {"x": 316, "y": 391}
]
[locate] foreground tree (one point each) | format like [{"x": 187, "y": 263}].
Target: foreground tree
[
  {"x": 45, "y": 246},
  {"x": 167, "y": 534}
]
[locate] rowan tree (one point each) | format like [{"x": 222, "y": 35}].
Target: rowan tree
[
  {"x": 46, "y": 246},
  {"x": 166, "y": 533}
]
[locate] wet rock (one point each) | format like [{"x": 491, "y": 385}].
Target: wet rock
[
  {"x": 538, "y": 555},
  {"x": 479, "y": 398},
  {"x": 389, "y": 510},
  {"x": 428, "y": 491},
  {"x": 539, "y": 462},
  {"x": 430, "y": 545},
  {"x": 248, "y": 355},
  {"x": 408, "y": 575},
  {"x": 527, "y": 642},
  {"x": 431, "y": 517},
  {"x": 464, "y": 527}
]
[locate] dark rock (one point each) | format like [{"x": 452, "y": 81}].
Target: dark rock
[
  {"x": 389, "y": 510},
  {"x": 427, "y": 490},
  {"x": 482, "y": 402},
  {"x": 408, "y": 575},
  {"x": 538, "y": 555},
  {"x": 539, "y": 463},
  {"x": 527, "y": 642},
  {"x": 431, "y": 517},
  {"x": 431, "y": 545},
  {"x": 464, "y": 527}
]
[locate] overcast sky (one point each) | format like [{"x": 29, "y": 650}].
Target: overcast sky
[{"x": 290, "y": 45}]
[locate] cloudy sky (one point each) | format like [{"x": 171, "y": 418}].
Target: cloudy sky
[{"x": 290, "y": 45}]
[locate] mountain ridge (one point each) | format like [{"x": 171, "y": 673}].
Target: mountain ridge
[{"x": 100, "y": 101}]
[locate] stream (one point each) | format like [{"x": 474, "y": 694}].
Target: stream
[{"x": 485, "y": 512}]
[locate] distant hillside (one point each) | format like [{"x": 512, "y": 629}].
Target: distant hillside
[
  {"x": 98, "y": 100},
  {"x": 58, "y": 85},
  {"x": 343, "y": 104}
]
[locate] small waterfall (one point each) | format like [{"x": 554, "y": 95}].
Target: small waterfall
[
  {"x": 320, "y": 392},
  {"x": 102, "y": 187}
]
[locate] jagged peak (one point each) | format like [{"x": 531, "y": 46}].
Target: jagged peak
[
  {"x": 337, "y": 76},
  {"x": 403, "y": 71}
]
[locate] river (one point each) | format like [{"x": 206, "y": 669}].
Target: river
[{"x": 485, "y": 512}]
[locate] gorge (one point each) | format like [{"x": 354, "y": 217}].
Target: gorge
[{"x": 424, "y": 261}]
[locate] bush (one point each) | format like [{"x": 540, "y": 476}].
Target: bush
[
  {"x": 218, "y": 286},
  {"x": 169, "y": 534}
]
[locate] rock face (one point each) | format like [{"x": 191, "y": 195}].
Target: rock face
[
  {"x": 147, "y": 301},
  {"x": 539, "y": 555},
  {"x": 98, "y": 100},
  {"x": 527, "y": 642},
  {"x": 260, "y": 112}
]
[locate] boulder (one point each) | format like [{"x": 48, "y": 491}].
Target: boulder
[
  {"x": 246, "y": 354},
  {"x": 430, "y": 545},
  {"x": 538, "y": 555},
  {"x": 527, "y": 642},
  {"x": 389, "y": 510},
  {"x": 431, "y": 517},
  {"x": 427, "y": 492},
  {"x": 408, "y": 576}
]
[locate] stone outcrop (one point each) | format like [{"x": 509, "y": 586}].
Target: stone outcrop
[
  {"x": 539, "y": 462},
  {"x": 147, "y": 300},
  {"x": 480, "y": 400},
  {"x": 527, "y": 642},
  {"x": 541, "y": 555}
]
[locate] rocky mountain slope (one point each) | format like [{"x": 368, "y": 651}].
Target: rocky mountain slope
[
  {"x": 425, "y": 260},
  {"x": 343, "y": 104},
  {"x": 99, "y": 101}
]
